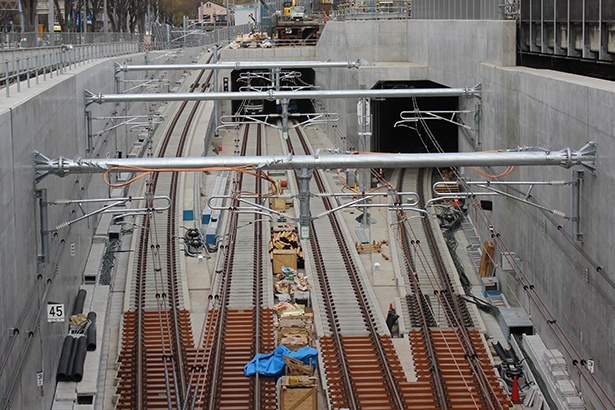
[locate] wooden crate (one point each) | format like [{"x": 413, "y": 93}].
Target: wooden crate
[
  {"x": 284, "y": 257},
  {"x": 298, "y": 393},
  {"x": 278, "y": 204},
  {"x": 484, "y": 270}
]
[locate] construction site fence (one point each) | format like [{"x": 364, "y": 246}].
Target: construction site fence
[{"x": 372, "y": 12}]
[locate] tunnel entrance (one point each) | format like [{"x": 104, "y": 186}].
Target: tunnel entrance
[
  {"x": 263, "y": 80},
  {"x": 414, "y": 136}
]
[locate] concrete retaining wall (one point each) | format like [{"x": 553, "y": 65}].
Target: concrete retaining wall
[
  {"x": 555, "y": 110},
  {"x": 50, "y": 118},
  {"x": 519, "y": 106}
]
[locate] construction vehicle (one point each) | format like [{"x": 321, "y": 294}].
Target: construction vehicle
[
  {"x": 288, "y": 4},
  {"x": 297, "y": 13}
]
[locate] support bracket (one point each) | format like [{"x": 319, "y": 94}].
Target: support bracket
[{"x": 577, "y": 180}]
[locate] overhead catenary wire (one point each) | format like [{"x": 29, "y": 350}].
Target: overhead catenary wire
[
  {"x": 462, "y": 337},
  {"x": 539, "y": 302},
  {"x": 549, "y": 317}
]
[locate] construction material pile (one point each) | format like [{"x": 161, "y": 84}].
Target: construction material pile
[
  {"x": 286, "y": 239},
  {"x": 253, "y": 40},
  {"x": 285, "y": 250},
  {"x": 375, "y": 246},
  {"x": 295, "y": 325},
  {"x": 290, "y": 285}
]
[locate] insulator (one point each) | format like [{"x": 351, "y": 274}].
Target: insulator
[
  {"x": 62, "y": 225},
  {"x": 558, "y": 213}
]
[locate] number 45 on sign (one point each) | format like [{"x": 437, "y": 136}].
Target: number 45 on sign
[{"x": 55, "y": 312}]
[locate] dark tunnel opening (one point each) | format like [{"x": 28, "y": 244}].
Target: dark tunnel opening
[{"x": 431, "y": 135}]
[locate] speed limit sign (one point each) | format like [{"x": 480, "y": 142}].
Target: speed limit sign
[{"x": 55, "y": 312}]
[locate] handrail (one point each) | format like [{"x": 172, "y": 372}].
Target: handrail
[
  {"x": 35, "y": 64},
  {"x": 37, "y": 55}
]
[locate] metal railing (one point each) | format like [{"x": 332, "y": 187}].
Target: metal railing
[
  {"x": 164, "y": 37},
  {"x": 26, "y": 65},
  {"x": 457, "y": 9},
  {"x": 32, "y": 57},
  {"x": 16, "y": 40},
  {"x": 372, "y": 12}
]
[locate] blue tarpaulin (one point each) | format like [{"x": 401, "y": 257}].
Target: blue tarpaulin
[{"x": 272, "y": 364}]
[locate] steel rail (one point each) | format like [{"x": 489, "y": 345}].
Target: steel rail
[
  {"x": 217, "y": 361},
  {"x": 223, "y": 390},
  {"x": 453, "y": 312},
  {"x": 256, "y": 384},
  {"x": 138, "y": 399},
  {"x": 178, "y": 358},
  {"x": 392, "y": 386},
  {"x": 439, "y": 386},
  {"x": 216, "y": 367},
  {"x": 446, "y": 294},
  {"x": 179, "y": 353},
  {"x": 566, "y": 158},
  {"x": 174, "y": 361},
  {"x": 348, "y": 387}
]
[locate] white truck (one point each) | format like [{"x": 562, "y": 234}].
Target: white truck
[{"x": 297, "y": 13}]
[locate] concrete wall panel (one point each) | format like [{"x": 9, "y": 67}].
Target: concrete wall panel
[
  {"x": 49, "y": 117},
  {"x": 553, "y": 111},
  {"x": 519, "y": 107}
]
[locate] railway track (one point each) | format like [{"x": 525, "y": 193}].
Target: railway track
[
  {"x": 156, "y": 334},
  {"x": 240, "y": 322},
  {"x": 446, "y": 350},
  {"x": 361, "y": 367},
  {"x": 161, "y": 367}
]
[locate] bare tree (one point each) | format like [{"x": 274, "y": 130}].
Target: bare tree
[
  {"x": 94, "y": 8},
  {"x": 127, "y": 15},
  {"x": 29, "y": 14},
  {"x": 137, "y": 10},
  {"x": 74, "y": 15},
  {"x": 118, "y": 14}
]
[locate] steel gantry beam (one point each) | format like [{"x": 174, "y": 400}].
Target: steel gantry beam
[
  {"x": 244, "y": 65},
  {"x": 566, "y": 158},
  {"x": 273, "y": 95}
]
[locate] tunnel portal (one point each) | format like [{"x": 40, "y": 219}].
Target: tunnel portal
[{"x": 412, "y": 136}]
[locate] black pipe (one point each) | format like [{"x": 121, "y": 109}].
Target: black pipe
[
  {"x": 499, "y": 349},
  {"x": 71, "y": 358},
  {"x": 63, "y": 373},
  {"x": 81, "y": 350},
  {"x": 91, "y": 333},
  {"x": 79, "y": 301}
]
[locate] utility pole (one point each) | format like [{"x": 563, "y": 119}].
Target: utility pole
[
  {"x": 148, "y": 27},
  {"x": 228, "y": 16},
  {"x": 21, "y": 22},
  {"x": 104, "y": 16},
  {"x": 51, "y": 19},
  {"x": 363, "y": 112}
]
